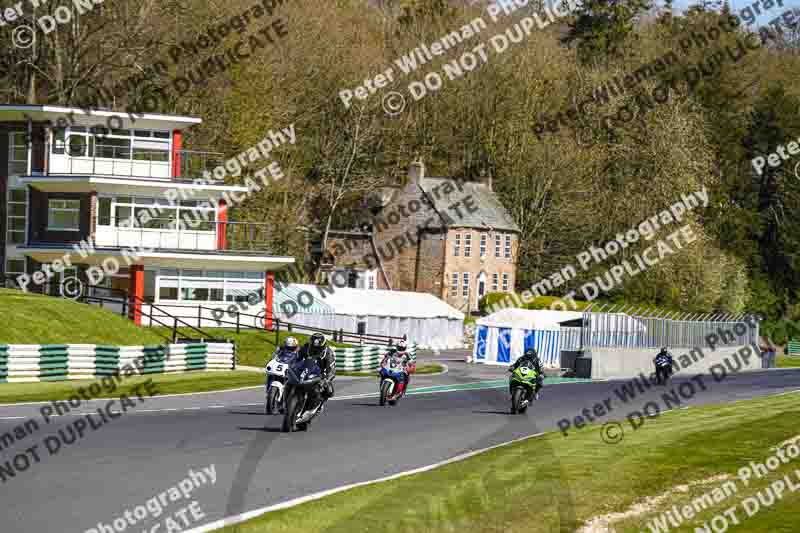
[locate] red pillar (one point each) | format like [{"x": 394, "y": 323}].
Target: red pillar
[
  {"x": 136, "y": 291},
  {"x": 222, "y": 225},
  {"x": 177, "y": 144},
  {"x": 269, "y": 286}
]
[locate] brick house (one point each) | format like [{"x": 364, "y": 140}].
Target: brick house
[{"x": 450, "y": 238}]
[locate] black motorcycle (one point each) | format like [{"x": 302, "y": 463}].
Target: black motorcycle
[
  {"x": 302, "y": 393},
  {"x": 663, "y": 370}
]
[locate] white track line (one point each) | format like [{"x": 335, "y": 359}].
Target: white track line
[
  {"x": 157, "y": 396},
  {"x": 339, "y": 398},
  {"x": 238, "y": 518}
]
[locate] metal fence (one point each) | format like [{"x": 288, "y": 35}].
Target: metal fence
[{"x": 631, "y": 327}]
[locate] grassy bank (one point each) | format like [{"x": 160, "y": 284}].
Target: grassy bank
[
  {"x": 788, "y": 361},
  {"x": 165, "y": 384},
  {"x": 35, "y": 319},
  {"x": 557, "y": 483}
]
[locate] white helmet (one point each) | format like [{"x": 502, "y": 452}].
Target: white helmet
[{"x": 291, "y": 342}]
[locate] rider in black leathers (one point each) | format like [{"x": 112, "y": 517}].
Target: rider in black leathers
[
  {"x": 531, "y": 358},
  {"x": 663, "y": 363},
  {"x": 317, "y": 347}
]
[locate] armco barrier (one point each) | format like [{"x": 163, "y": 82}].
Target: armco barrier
[
  {"x": 58, "y": 362},
  {"x": 793, "y": 348},
  {"x": 365, "y": 357}
]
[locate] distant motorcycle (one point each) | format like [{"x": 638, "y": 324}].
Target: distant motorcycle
[
  {"x": 303, "y": 394},
  {"x": 663, "y": 370},
  {"x": 523, "y": 388},
  {"x": 276, "y": 381},
  {"x": 393, "y": 380}
]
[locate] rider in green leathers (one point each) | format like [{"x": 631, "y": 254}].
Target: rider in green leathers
[{"x": 531, "y": 359}]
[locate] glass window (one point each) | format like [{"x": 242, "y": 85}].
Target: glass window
[
  {"x": 104, "y": 211},
  {"x": 15, "y": 266},
  {"x": 161, "y": 134},
  {"x": 63, "y": 215},
  {"x": 194, "y": 294},
  {"x": 59, "y": 140},
  {"x": 497, "y": 242},
  {"x": 508, "y": 246},
  {"x": 465, "y": 292},
  {"x": 495, "y": 282},
  {"x": 483, "y": 245},
  {"x": 122, "y": 217},
  {"x": 168, "y": 293},
  {"x": 505, "y": 282},
  {"x": 112, "y": 148},
  {"x": 215, "y": 274},
  {"x": 457, "y": 245},
  {"x": 17, "y": 216},
  {"x": 17, "y": 153},
  {"x": 191, "y": 273},
  {"x": 467, "y": 244},
  {"x": 217, "y": 295},
  {"x": 454, "y": 283},
  {"x": 76, "y": 145}
]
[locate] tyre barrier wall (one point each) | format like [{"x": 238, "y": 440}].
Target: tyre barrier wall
[
  {"x": 367, "y": 357},
  {"x": 59, "y": 362}
]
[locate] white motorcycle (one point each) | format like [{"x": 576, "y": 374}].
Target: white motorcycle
[{"x": 276, "y": 381}]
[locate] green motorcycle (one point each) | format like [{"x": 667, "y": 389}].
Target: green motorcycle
[{"x": 523, "y": 388}]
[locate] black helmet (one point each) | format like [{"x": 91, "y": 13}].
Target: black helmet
[
  {"x": 532, "y": 352},
  {"x": 318, "y": 343}
]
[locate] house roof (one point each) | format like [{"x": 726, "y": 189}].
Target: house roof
[{"x": 490, "y": 212}]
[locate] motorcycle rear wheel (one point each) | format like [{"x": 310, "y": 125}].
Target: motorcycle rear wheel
[{"x": 272, "y": 401}]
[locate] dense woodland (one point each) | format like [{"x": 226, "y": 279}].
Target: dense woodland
[{"x": 567, "y": 190}]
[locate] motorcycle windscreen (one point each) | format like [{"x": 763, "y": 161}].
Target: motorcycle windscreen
[{"x": 309, "y": 365}]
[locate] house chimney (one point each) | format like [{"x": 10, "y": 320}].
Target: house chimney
[{"x": 416, "y": 171}]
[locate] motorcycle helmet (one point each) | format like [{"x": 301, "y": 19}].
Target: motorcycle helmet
[
  {"x": 401, "y": 345},
  {"x": 317, "y": 343},
  {"x": 291, "y": 343},
  {"x": 532, "y": 352}
]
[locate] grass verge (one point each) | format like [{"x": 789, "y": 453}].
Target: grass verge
[
  {"x": 36, "y": 319},
  {"x": 165, "y": 384},
  {"x": 556, "y": 483},
  {"x": 788, "y": 361}
]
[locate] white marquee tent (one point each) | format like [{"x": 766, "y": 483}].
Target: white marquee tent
[
  {"x": 502, "y": 337},
  {"x": 427, "y": 320}
]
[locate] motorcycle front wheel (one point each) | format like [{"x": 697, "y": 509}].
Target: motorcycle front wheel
[
  {"x": 272, "y": 400},
  {"x": 384, "y": 391},
  {"x": 516, "y": 400},
  {"x": 292, "y": 405}
]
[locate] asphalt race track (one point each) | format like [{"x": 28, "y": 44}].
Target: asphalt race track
[{"x": 151, "y": 448}]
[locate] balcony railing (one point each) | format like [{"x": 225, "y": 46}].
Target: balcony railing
[
  {"x": 194, "y": 163},
  {"x": 196, "y": 235}
]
